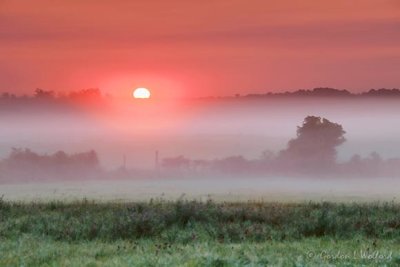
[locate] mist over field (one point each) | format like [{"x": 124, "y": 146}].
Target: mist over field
[
  {"x": 202, "y": 129},
  {"x": 199, "y": 133},
  {"x": 125, "y": 135}
]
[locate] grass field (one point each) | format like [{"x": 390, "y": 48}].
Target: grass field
[{"x": 190, "y": 233}]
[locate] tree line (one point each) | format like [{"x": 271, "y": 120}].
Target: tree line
[
  {"x": 49, "y": 100},
  {"x": 327, "y": 92},
  {"x": 26, "y": 165},
  {"x": 312, "y": 152}
]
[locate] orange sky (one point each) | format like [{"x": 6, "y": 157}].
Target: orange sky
[{"x": 199, "y": 48}]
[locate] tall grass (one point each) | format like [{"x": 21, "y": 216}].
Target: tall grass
[{"x": 188, "y": 221}]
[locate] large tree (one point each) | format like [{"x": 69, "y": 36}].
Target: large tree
[{"x": 314, "y": 148}]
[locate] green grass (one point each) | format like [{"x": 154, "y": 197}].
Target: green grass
[
  {"x": 188, "y": 233},
  {"x": 30, "y": 251}
]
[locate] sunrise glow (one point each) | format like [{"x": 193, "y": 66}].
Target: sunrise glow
[
  {"x": 141, "y": 93},
  {"x": 200, "y": 133}
]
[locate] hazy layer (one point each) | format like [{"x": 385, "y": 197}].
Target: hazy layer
[
  {"x": 205, "y": 129},
  {"x": 231, "y": 189}
]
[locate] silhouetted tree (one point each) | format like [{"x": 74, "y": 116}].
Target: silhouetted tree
[
  {"x": 177, "y": 163},
  {"x": 43, "y": 94},
  {"x": 314, "y": 148},
  {"x": 24, "y": 164},
  {"x": 383, "y": 92},
  {"x": 373, "y": 165},
  {"x": 88, "y": 95},
  {"x": 235, "y": 164}
]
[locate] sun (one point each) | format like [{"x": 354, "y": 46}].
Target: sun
[{"x": 141, "y": 93}]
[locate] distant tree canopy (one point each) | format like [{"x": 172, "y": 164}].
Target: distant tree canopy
[
  {"x": 56, "y": 102},
  {"x": 330, "y": 92},
  {"x": 312, "y": 151},
  {"x": 43, "y": 94},
  {"x": 179, "y": 162},
  {"x": 26, "y": 156},
  {"x": 24, "y": 164},
  {"x": 315, "y": 144}
]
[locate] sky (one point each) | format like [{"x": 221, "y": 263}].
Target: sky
[{"x": 181, "y": 48}]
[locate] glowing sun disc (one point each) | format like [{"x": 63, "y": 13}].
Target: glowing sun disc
[{"x": 141, "y": 93}]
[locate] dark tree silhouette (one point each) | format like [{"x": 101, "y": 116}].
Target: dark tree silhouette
[
  {"x": 24, "y": 164},
  {"x": 232, "y": 164},
  {"x": 177, "y": 163},
  {"x": 43, "y": 94},
  {"x": 314, "y": 148}
]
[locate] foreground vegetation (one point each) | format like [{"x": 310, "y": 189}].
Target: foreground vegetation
[{"x": 197, "y": 234}]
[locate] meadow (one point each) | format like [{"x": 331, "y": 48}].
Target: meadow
[{"x": 199, "y": 233}]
